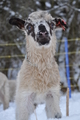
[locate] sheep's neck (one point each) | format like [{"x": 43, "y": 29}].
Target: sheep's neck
[{"x": 40, "y": 58}]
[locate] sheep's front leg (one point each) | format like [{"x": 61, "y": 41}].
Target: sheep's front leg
[
  {"x": 52, "y": 106},
  {"x": 24, "y": 106}
]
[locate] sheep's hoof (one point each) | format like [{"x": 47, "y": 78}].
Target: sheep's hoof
[{"x": 58, "y": 115}]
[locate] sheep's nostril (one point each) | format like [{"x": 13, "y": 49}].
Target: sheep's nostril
[{"x": 44, "y": 34}]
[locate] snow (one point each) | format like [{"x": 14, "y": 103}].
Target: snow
[
  {"x": 74, "y": 110},
  {"x": 48, "y": 4}
]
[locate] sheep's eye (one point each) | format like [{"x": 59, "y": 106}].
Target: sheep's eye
[
  {"x": 30, "y": 27},
  {"x": 51, "y": 25}
]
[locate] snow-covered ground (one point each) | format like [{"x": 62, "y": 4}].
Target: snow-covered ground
[{"x": 74, "y": 110}]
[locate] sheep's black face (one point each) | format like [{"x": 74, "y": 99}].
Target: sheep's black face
[
  {"x": 40, "y": 31},
  {"x": 39, "y": 27}
]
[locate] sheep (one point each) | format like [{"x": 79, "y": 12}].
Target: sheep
[
  {"x": 7, "y": 90},
  {"x": 12, "y": 90},
  {"x": 38, "y": 80},
  {"x": 4, "y": 91}
]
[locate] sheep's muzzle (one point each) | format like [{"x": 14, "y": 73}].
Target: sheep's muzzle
[{"x": 43, "y": 35}]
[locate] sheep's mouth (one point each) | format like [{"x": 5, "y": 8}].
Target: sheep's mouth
[{"x": 43, "y": 40}]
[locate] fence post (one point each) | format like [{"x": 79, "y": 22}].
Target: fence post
[{"x": 67, "y": 66}]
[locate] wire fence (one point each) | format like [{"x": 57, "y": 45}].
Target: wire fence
[
  {"x": 57, "y": 54},
  {"x": 20, "y": 43}
]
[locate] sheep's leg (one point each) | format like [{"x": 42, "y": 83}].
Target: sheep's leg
[
  {"x": 24, "y": 106},
  {"x": 6, "y": 96},
  {"x": 2, "y": 99},
  {"x": 52, "y": 106}
]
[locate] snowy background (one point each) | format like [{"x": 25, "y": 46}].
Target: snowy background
[{"x": 74, "y": 110}]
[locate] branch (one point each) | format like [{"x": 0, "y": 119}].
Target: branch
[
  {"x": 76, "y": 9},
  {"x": 61, "y": 6}
]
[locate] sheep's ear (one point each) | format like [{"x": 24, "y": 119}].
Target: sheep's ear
[
  {"x": 60, "y": 23},
  {"x": 17, "y": 22}
]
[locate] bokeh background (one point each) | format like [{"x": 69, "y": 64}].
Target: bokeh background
[{"x": 12, "y": 40}]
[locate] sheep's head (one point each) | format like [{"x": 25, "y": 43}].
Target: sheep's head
[{"x": 39, "y": 26}]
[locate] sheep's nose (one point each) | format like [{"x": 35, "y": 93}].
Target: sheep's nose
[
  {"x": 43, "y": 33},
  {"x": 42, "y": 30}
]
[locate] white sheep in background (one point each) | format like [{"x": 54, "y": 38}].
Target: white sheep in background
[
  {"x": 38, "y": 79},
  {"x": 7, "y": 90}
]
